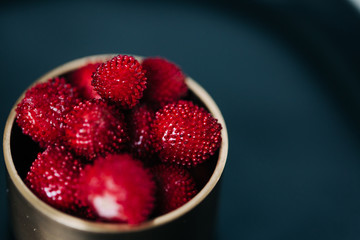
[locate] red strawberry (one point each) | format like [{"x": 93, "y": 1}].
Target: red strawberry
[
  {"x": 121, "y": 80},
  {"x": 94, "y": 127},
  {"x": 166, "y": 81},
  {"x": 139, "y": 125},
  {"x": 175, "y": 187},
  {"x": 185, "y": 134},
  {"x": 81, "y": 79},
  {"x": 40, "y": 112},
  {"x": 119, "y": 189},
  {"x": 54, "y": 176}
]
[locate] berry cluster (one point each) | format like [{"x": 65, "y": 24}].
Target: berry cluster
[{"x": 118, "y": 139}]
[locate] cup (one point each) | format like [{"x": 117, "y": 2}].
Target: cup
[{"x": 31, "y": 218}]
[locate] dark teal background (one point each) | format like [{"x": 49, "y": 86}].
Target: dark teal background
[{"x": 284, "y": 73}]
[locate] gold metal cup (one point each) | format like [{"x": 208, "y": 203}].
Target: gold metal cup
[{"x": 31, "y": 218}]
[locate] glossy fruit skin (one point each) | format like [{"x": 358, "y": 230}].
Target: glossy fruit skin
[
  {"x": 119, "y": 189},
  {"x": 40, "y": 114},
  {"x": 95, "y": 128},
  {"x": 120, "y": 80},
  {"x": 175, "y": 187},
  {"x": 185, "y": 133},
  {"x": 180, "y": 134},
  {"x": 166, "y": 81},
  {"x": 53, "y": 177},
  {"x": 81, "y": 79},
  {"x": 139, "y": 120}
]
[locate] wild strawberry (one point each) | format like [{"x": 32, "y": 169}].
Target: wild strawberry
[
  {"x": 94, "y": 127},
  {"x": 53, "y": 177},
  {"x": 139, "y": 130},
  {"x": 119, "y": 188},
  {"x": 121, "y": 80},
  {"x": 185, "y": 133},
  {"x": 81, "y": 79},
  {"x": 40, "y": 112},
  {"x": 175, "y": 187},
  {"x": 166, "y": 81}
]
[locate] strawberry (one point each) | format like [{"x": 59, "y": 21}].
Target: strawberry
[
  {"x": 94, "y": 127},
  {"x": 40, "y": 113},
  {"x": 119, "y": 189},
  {"x": 139, "y": 130},
  {"x": 121, "y": 80},
  {"x": 53, "y": 177},
  {"x": 185, "y": 134},
  {"x": 175, "y": 187},
  {"x": 166, "y": 81},
  {"x": 81, "y": 78}
]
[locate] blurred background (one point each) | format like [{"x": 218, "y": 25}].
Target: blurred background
[{"x": 286, "y": 75}]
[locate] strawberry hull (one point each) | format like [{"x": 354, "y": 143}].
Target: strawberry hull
[{"x": 34, "y": 219}]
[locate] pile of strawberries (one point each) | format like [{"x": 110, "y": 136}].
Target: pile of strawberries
[{"x": 118, "y": 139}]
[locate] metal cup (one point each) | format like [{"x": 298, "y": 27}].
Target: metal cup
[{"x": 31, "y": 218}]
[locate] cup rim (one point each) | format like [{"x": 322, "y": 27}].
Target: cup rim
[{"x": 100, "y": 227}]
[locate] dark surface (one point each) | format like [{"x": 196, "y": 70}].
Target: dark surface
[{"x": 284, "y": 73}]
